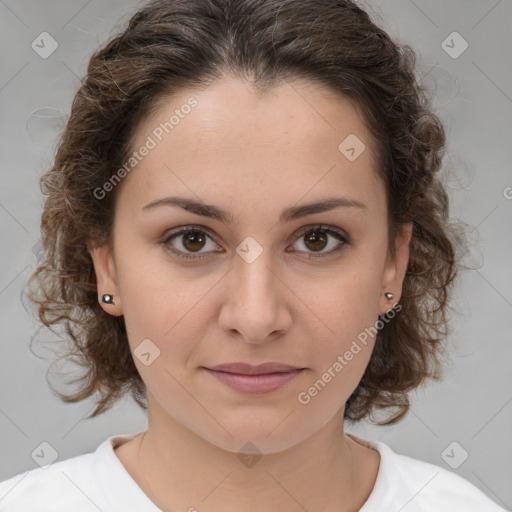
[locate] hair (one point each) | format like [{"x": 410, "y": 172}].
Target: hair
[{"x": 173, "y": 45}]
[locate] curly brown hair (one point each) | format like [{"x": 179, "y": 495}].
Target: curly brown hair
[{"x": 170, "y": 45}]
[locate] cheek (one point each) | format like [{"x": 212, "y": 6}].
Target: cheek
[
  {"x": 151, "y": 293},
  {"x": 166, "y": 307},
  {"x": 347, "y": 301},
  {"x": 346, "y": 313},
  {"x": 341, "y": 354}
]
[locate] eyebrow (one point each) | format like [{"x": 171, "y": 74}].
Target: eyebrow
[{"x": 288, "y": 214}]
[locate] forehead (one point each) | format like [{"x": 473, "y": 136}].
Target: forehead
[
  {"x": 228, "y": 139},
  {"x": 298, "y": 111}
]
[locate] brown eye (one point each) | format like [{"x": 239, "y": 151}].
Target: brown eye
[
  {"x": 184, "y": 242},
  {"x": 188, "y": 242},
  {"x": 193, "y": 240},
  {"x": 317, "y": 238}
]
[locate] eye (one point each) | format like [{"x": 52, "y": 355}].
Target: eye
[
  {"x": 316, "y": 238},
  {"x": 192, "y": 239}
]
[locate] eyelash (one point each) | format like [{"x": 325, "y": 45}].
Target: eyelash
[{"x": 303, "y": 231}]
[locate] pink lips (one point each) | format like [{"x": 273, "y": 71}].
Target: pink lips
[{"x": 250, "y": 379}]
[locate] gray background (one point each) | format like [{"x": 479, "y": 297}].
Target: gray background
[{"x": 471, "y": 406}]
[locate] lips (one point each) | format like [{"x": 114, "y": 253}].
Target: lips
[
  {"x": 248, "y": 369},
  {"x": 254, "y": 380}
]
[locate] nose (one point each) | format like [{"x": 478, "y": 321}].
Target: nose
[{"x": 256, "y": 306}]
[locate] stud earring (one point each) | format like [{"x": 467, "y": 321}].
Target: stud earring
[
  {"x": 108, "y": 299},
  {"x": 388, "y": 295}
]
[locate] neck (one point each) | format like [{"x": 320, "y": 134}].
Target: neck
[{"x": 179, "y": 470}]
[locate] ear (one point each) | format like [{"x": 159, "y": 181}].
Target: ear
[
  {"x": 106, "y": 277},
  {"x": 395, "y": 269}
]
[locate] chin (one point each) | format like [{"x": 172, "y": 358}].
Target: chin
[{"x": 261, "y": 437}]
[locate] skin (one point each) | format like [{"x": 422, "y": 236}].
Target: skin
[{"x": 252, "y": 155}]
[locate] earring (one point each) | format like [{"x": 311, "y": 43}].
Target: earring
[
  {"x": 108, "y": 299},
  {"x": 388, "y": 295}
]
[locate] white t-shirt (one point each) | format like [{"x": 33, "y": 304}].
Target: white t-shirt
[{"x": 98, "y": 482}]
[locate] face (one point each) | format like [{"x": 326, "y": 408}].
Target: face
[{"x": 251, "y": 287}]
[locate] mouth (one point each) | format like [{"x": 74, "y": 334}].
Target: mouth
[
  {"x": 260, "y": 369},
  {"x": 254, "y": 379}
]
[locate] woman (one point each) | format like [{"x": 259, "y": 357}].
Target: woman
[{"x": 244, "y": 228}]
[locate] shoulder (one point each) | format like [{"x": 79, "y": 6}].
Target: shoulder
[
  {"x": 410, "y": 484},
  {"x": 61, "y": 484},
  {"x": 85, "y": 483}
]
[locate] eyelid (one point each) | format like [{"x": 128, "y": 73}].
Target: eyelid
[
  {"x": 166, "y": 238},
  {"x": 337, "y": 233},
  {"x": 321, "y": 227},
  {"x": 332, "y": 231}
]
